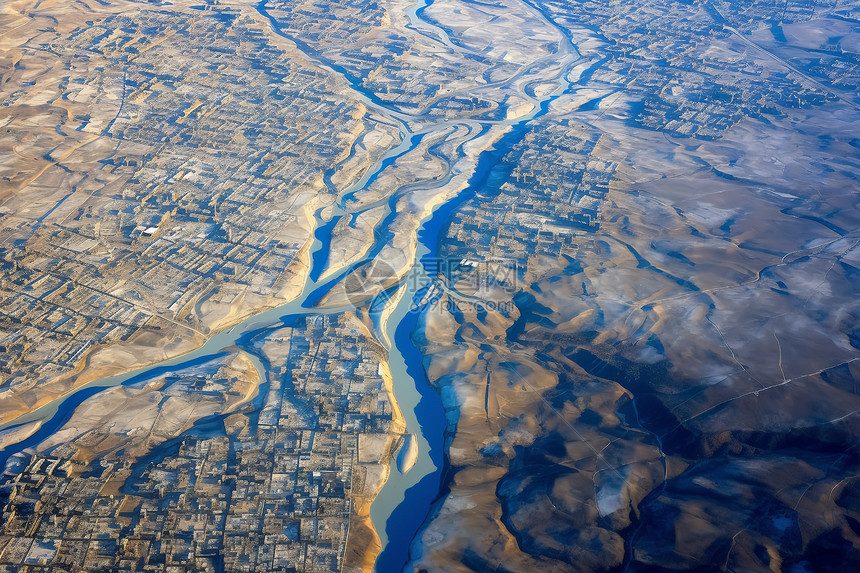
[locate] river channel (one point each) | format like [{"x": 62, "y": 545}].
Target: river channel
[{"x": 406, "y": 498}]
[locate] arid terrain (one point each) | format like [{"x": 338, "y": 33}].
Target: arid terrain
[
  {"x": 676, "y": 387},
  {"x": 434, "y": 285}
]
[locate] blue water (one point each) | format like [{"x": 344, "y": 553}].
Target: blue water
[
  {"x": 406, "y": 520},
  {"x": 414, "y": 140},
  {"x": 319, "y": 259},
  {"x": 409, "y": 515},
  {"x": 354, "y": 82},
  {"x": 382, "y": 237},
  {"x": 70, "y": 404}
]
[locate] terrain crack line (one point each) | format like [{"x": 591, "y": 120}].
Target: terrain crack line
[
  {"x": 779, "y": 347},
  {"x": 734, "y": 357},
  {"x": 756, "y": 392}
]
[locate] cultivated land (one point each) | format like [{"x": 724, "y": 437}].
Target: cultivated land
[
  {"x": 677, "y": 385},
  {"x": 649, "y": 361},
  {"x": 174, "y": 471},
  {"x": 167, "y": 166},
  {"x": 158, "y": 184}
]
